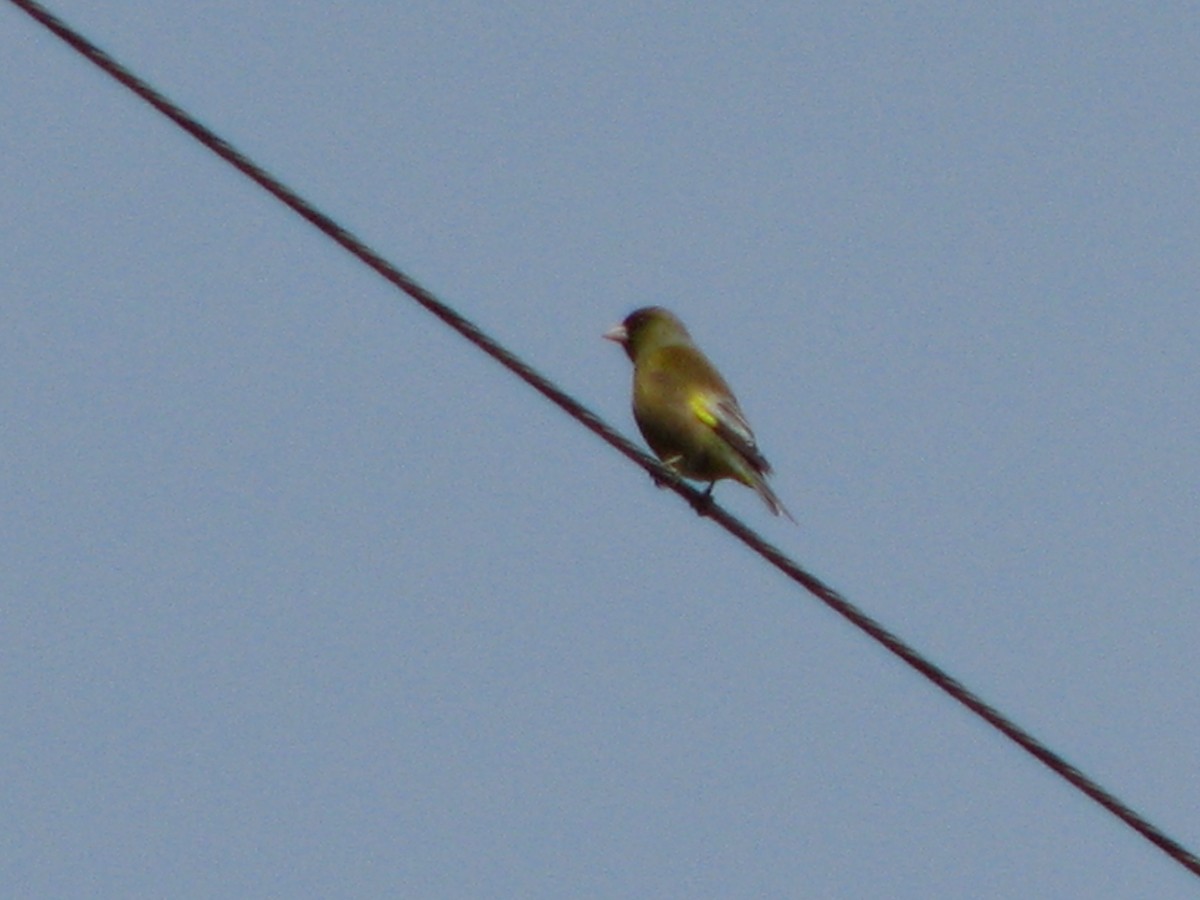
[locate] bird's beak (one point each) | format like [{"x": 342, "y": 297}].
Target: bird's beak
[{"x": 617, "y": 333}]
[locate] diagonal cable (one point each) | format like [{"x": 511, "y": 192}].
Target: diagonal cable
[{"x": 702, "y": 503}]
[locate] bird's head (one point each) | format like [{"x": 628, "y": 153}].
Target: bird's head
[{"x": 650, "y": 326}]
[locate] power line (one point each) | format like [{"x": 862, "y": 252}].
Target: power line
[{"x": 605, "y": 432}]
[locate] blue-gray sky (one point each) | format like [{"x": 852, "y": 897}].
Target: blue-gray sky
[{"x": 303, "y": 596}]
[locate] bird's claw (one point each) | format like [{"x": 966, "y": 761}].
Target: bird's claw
[
  {"x": 665, "y": 481},
  {"x": 703, "y": 503}
]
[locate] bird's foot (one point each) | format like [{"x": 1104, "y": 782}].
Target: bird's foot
[
  {"x": 704, "y": 503},
  {"x": 662, "y": 482}
]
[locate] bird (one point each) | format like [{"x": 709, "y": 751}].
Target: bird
[{"x": 685, "y": 409}]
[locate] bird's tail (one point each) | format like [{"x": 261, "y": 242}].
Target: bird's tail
[{"x": 769, "y": 497}]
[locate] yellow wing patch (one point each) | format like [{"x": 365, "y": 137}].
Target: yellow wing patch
[{"x": 699, "y": 405}]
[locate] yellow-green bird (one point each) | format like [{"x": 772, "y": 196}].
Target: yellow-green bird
[{"x": 685, "y": 410}]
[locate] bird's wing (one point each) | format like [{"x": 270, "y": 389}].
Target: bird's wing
[{"x": 726, "y": 419}]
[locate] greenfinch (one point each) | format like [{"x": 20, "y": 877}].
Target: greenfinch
[{"x": 685, "y": 410}]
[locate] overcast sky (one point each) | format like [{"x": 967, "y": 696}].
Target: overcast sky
[{"x": 303, "y": 596}]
